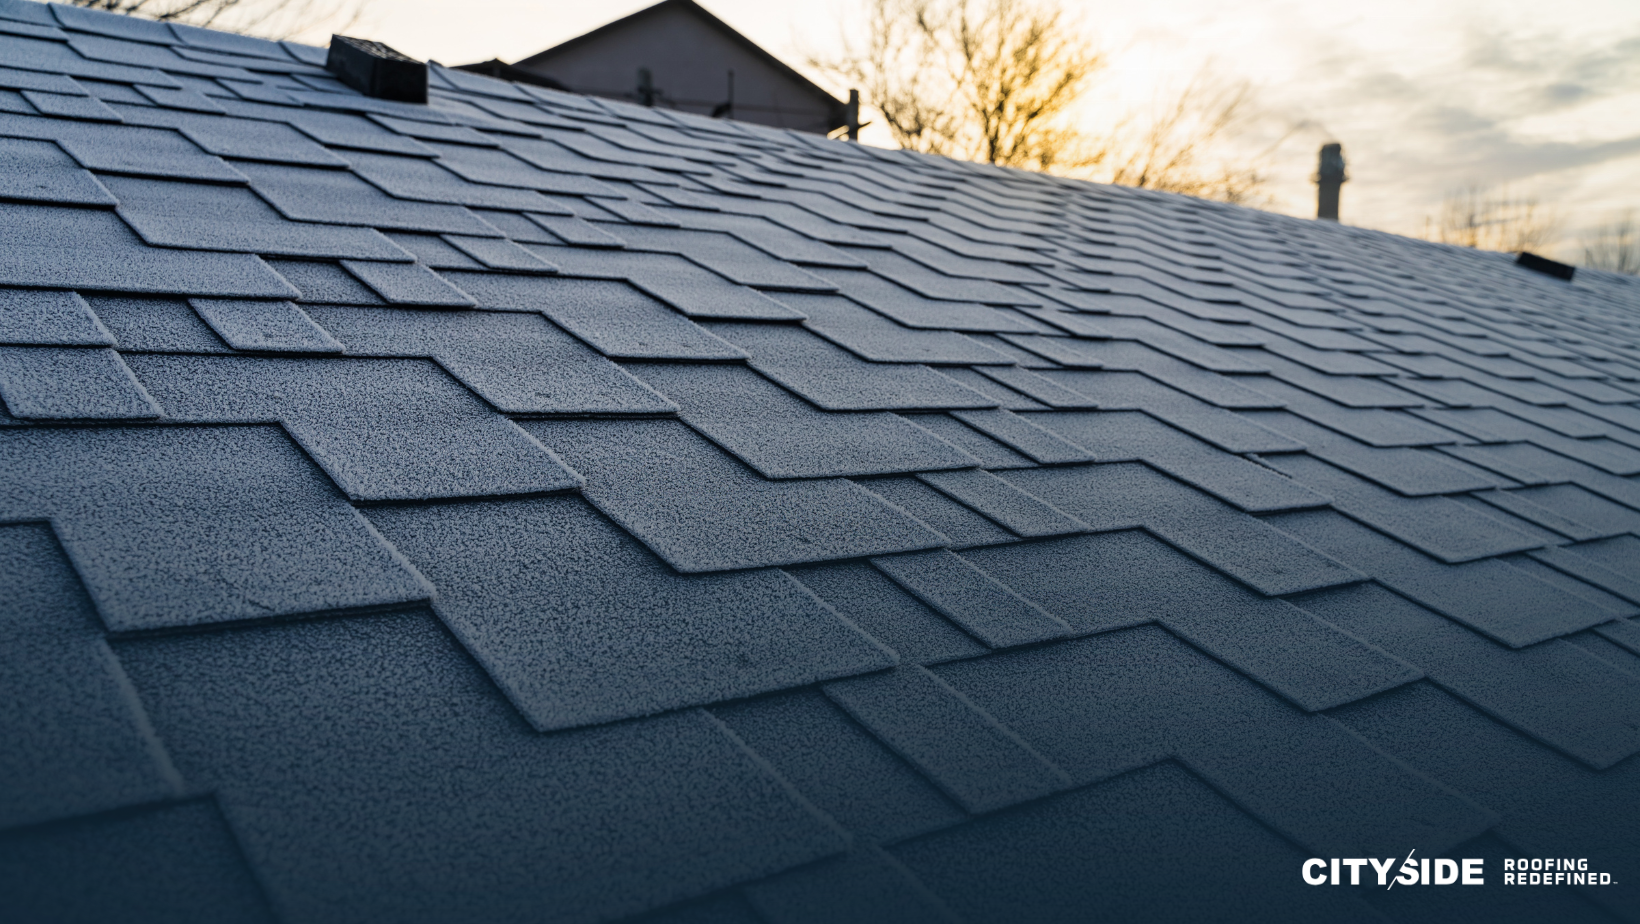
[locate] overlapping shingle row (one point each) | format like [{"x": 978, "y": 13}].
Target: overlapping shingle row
[{"x": 707, "y": 516}]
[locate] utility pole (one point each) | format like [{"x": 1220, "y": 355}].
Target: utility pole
[{"x": 1329, "y": 178}]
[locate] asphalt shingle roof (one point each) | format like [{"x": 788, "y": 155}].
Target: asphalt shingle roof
[{"x": 532, "y": 507}]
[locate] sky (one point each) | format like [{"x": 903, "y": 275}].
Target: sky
[{"x": 1426, "y": 96}]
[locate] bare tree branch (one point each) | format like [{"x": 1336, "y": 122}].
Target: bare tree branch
[
  {"x": 999, "y": 81},
  {"x": 1614, "y": 245},
  {"x": 275, "y": 19},
  {"x": 987, "y": 80},
  {"x": 1491, "y": 219}
]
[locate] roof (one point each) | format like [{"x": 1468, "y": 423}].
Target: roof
[
  {"x": 688, "y": 49},
  {"x": 534, "y": 507}
]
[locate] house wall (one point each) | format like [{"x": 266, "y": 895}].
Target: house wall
[{"x": 689, "y": 60}]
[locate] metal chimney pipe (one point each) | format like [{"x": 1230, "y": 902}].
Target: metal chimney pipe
[
  {"x": 851, "y": 115},
  {"x": 1330, "y": 177}
]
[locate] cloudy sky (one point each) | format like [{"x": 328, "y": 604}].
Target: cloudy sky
[{"x": 1427, "y": 96}]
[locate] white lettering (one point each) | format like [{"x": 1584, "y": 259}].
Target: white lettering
[
  {"x": 1382, "y": 869},
  {"x": 1355, "y": 870},
  {"x": 1472, "y": 871},
  {"x": 1319, "y": 878},
  {"x": 1446, "y": 872},
  {"x": 1409, "y": 872}
]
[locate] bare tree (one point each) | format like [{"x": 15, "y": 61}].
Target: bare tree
[
  {"x": 988, "y": 80},
  {"x": 1614, "y": 245},
  {"x": 275, "y": 19},
  {"x": 1488, "y": 218},
  {"x": 999, "y": 81},
  {"x": 1173, "y": 148}
]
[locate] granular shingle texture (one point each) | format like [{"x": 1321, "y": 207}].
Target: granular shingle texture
[{"x": 533, "y": 507}]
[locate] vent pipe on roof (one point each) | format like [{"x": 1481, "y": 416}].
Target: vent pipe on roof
[
  {"x": 646, "y": 87},
  {"x": 851, "y": 115},
  {"x": 376, "y": 70},
  {"x": 1330, "y": 177},
  {"x": 1546, "y": 266}
]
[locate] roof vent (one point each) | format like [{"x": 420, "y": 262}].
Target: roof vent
[
  {"x": 376, "y": 70},
  {"x": 1545, "y": 266}
]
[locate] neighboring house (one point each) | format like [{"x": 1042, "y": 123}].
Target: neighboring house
[
  {"x": 678, "y": 56},
  {"x": 531, "y": 507}
]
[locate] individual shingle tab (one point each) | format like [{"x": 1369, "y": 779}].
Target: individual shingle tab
[
  {"x": 151, "y": 152},
  {"x": 1596, "y": 517},
  {"x": 68, "y": 383},
  {"x": 86, "y": 249},
  {"x": 918, "y": 311},
  {"x": 520, "y": 363},
  {"x": 251, "y": 529},
  {"x": 865, "y": 885},
  {"x": 55, "y": 57},
  {"x": 840, "y": 767},
  {"x": 81, "y": 744},
  {"x": 339, "y": 197},
  {"x": 325, "y": 283},
  {"x": 1025, "y": 435},
  {"x": 1121, "y": 495},
  {"x": 1409, "y": 471},
  {"x": 185, "y": 99},
  {"x": 882, "y": 609},
  {"x": 968, "y": 754},
  {"x": 175, "y": 860},
  {"x": 835, "y": 380},
  {"x": 875, "y": 338},
  {"x": 571, "y": 230},
  {"x": 782, "y": 437},
  {"x": 1490, "y": 596},
  {"x": 1019, "y": 512},
  {"x": 42, "y": 317},
  {"x": 577, "y": 822},
  {"x": 1121, "y": 436},
  {"x": 157, "y": 325},
  {"x": 1232, "y": 432},
  {"x": 39, "y": 171},
  {"x": 1436, "y": 526},
  {"x": 990, "y": 453},
  {"x": 500, "y": 254},
  {"x": 408, "y": 284},
  {"x": 199, "y": 217},
  {"x": 970, "y": 598},
  {"x": 1554, "y": 692},
  {"x": 1125, "y": 848},
  {"x": 525, "y": 586},
  {"x": 727, "y": 256},
  {"x": 383, "y": 429},
  {"x": 1039, "y": 387},
  {"x": 1108, "y": 704},
  {"x": 703, "y": 511},
  {"x": 1610, "y": 564},
  {"x": 424, "y": 180},
  {"x": 692, "y": 290},
  {"x": 276, "y": 327},
  {"x": 247, "y": 139},
  {"x": 960, "y": 525},
  {"x": 1103, "y": 582},
  {"x": 617, "y": 319}
]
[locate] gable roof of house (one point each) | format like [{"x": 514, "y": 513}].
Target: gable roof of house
[
  {"x": 542, "y": 60},
  {"x": 532, "y": 507}
]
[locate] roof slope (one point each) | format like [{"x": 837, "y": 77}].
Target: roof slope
[{"x": 531, "y": 507}]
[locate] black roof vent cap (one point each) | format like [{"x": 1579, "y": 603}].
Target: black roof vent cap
[
  {"x": 377, "y": 70},
  {"x": 1546, "y": 266}
]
